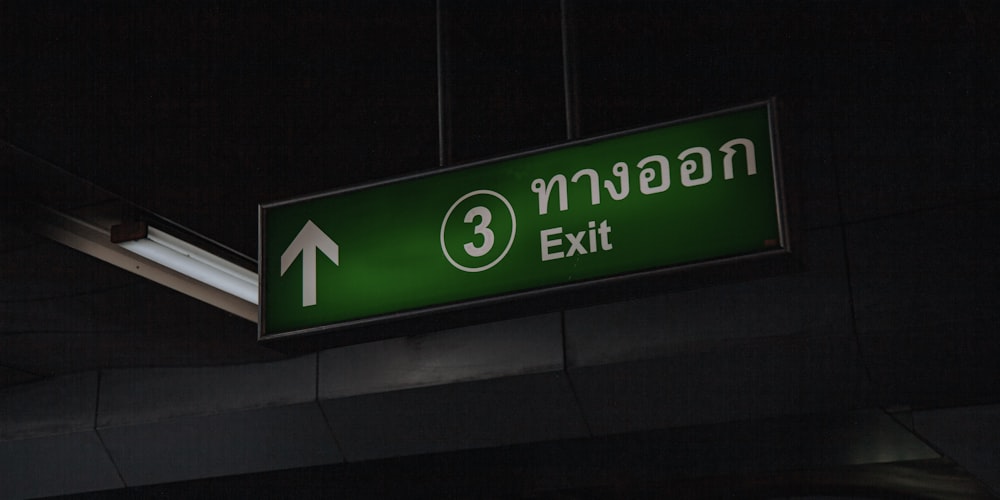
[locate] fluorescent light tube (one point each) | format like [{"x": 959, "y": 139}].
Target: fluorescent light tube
[{"x": 196, "y": 263}]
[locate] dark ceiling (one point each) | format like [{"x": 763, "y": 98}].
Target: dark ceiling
[
  {"x": 196, "y": 113},
  {"x": 199, "y": 112}
]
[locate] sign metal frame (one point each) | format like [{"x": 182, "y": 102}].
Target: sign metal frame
[{"x": 783, "y": 247}]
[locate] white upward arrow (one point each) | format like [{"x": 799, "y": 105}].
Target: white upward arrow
[{"x": 306, "y": 242}]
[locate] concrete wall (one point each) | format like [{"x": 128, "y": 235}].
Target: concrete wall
[{"x": 493, "y": 385}]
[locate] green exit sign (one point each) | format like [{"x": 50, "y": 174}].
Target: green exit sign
[{"x": 661, "y": 197}]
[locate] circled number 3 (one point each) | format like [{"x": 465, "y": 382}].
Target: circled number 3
[{"x": 482, "y": 229}]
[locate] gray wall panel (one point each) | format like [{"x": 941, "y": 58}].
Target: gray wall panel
[
  {"x": 733, "y": 381},
  {"x": 56, "y": 465},
  {"x": 12, "y": 376},
  {"x": 47, "y": 441},
  {"x": 967, "y": 435},
  {"x": 233, "y": 443},
  {"x": 514, "y": 347},
  {"x": 953, "y": 364},
  {"x": 53, "y": 406},
  {"x": 154, "y": 394},
  {"x": 926, "y": 288},
  {"x": 480, "y": 414}
]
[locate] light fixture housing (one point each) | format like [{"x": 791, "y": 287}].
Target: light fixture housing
[{"x": 187, "y": 259}]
